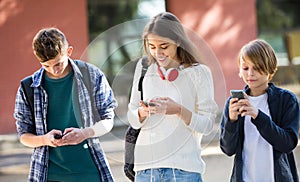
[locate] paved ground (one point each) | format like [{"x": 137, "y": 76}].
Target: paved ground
[{"x": 14, "y": 158}]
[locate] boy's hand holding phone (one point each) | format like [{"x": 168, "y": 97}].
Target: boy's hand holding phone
[
  {"x": 57, "y": 136},
  {"x": 234, "y": 106}
]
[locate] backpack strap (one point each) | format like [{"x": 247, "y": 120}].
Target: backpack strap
[
  {"x": 132, "y": 134},
  {"x": 28, "y": 91},
  {"x": 83, "y": 67},
  {"x": 145, "y": 65}
]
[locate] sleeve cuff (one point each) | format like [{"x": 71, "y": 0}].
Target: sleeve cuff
[{"x": 102, "y": 127}]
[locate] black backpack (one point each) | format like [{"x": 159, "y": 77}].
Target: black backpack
[{"x": 132, "y": 134}]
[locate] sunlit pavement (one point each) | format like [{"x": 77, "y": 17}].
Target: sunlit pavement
[{"x": 14, "y": 158}]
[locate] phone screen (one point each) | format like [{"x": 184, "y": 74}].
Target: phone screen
[
  {"x": 148, "y": 103},
  {"x": 237, "y": 94}
]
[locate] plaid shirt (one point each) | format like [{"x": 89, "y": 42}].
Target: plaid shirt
[{"x": 105, "y": 104}]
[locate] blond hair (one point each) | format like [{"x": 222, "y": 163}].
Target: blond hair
[
  {"x": 262, "y": 55},
  {"x": 168, "y": 26}
]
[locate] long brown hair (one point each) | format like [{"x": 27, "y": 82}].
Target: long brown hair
[{"x": 168, "y": 25}]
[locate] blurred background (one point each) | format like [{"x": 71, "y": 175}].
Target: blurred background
[{"x": 107, "y": 33}]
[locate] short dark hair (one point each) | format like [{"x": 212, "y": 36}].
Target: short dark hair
[{"x": 48, "y": 43}]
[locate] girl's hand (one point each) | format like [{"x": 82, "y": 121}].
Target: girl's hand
[
  {"x": 165, "y": 105},
  {"x": 143, "y": 111}
]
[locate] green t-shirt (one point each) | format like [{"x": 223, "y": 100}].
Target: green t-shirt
[{"x": 73, "y": 162}]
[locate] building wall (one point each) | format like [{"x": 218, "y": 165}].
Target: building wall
[
  {"x": 225, "y": 25},
  {"x": 19, "y": 22}
]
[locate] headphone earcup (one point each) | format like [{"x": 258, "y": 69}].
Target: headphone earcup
[
  {"x": 172, "y": 74},
  {"x": 161, "y": 72}
]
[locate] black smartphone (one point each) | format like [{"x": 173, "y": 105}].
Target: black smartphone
[
  {"x": 148, "y": 103},
  {"x": 237, "y": 94},
  {"x": 151, "y": 104},
  {"x": 58, "y": 136}
]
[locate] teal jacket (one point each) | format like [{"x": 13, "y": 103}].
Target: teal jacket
[{"x": 281, "y": 131}]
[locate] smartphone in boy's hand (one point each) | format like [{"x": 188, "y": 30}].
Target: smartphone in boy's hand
[
  {"x": 237, "y": 94},
  {"x": 57, "y": 136}
]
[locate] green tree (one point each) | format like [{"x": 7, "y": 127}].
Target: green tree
[{"x": 270, "y": 17}]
